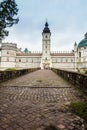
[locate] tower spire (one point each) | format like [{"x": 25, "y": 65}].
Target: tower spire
[
  {"x": 46, "y": 20},
  {"x": 46, "y": 28}
]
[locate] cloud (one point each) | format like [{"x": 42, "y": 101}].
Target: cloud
[{"x": 67, "y": 22}]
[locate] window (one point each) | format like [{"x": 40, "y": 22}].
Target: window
[
  {"x": 7, "y": 52},
  {"x": 66, "y": 60},
  {"x": 84, "y": 59},
  {"x": 19, "y": 60},
  {"x": 26, "y": 60},
  {"x": 56, "y": 60},
  {"x": 71, "y": 60},
  {"x": 45, "y": 51},
  {"x": 46, "y": 46},
  {"x": 8, "y": 59},
  {"x": 79, "y": 54},
  {"x": 45, "y": 58},
  {"x": 46, "y": 36},
  {"x": 61, "y": 60}
]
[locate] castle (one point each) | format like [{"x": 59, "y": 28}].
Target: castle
[{"x": 12, "y": 57}]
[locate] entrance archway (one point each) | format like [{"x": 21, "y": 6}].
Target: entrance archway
[{"x": 46, "y": 66}]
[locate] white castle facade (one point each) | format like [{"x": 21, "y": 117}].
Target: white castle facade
[{"x": 12, "y": 57}]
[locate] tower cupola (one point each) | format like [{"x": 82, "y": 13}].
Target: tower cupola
[
  {"x": 46, "y": 28},
  {"x": 83, "y": 42}
]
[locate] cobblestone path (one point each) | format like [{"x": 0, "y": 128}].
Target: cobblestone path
[{"x": 36, "y": 101}]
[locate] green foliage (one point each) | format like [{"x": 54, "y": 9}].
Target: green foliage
[
  {"x": 79, "y": 108},
  {"x": 11, "y": 69},
  {"x": 86, "y": 72},
  {"x": 8, "y": 9},
  {"x": 86, "y": 126}
]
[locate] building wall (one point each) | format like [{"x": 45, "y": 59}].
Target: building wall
[
  {"x": 46, "y": 57},
  {"x": 10, "y": 59},
  {"x": 8, "y": 55},
  {"x": 81, "y": 58},
  {"x": 28, "y": 62},
  {"x": 63, "y": 62}
]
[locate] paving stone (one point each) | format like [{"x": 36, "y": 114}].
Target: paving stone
[
  {"x": 39, "y": 129},
  {"x": 36, "y": 100},
  {"x": 61, "y": 126}
]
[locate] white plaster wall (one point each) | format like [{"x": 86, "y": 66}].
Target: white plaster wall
[
  {"x": 28, "y": 62},
  {"x": 63, "y": 65},
  {"x": 7, "y": 64},
  {"x": 8, "y": 58},
  {"x": 8, "y": 53},
  {"x": 82, "y": 61},
  {"x": 27, "y": 65}
]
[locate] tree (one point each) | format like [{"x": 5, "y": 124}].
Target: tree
[{"x": 8, "y": 11}]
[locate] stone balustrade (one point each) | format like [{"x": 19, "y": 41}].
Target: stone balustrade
[
  {"x": 78, "y": 79},
  {"x": 10, "y": 74}
]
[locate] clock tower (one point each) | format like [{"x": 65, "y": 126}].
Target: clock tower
[{"x": 46, "y": 58}]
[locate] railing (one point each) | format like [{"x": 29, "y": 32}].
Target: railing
[
  {"x": 10, "y": 74},
  {"x": 78, "y": 79}
]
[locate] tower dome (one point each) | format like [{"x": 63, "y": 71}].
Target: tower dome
[
  {"x": 83, "y": 43},
  {"x": 46, "y": 28}
]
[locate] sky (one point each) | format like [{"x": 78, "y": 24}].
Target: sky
[{"x": 67, "y": 21}]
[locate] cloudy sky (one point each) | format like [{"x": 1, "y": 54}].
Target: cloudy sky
[{"x": 67, "y": 21}]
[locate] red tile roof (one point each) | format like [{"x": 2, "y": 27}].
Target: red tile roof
[
  {"x": 62, "y": 54},
  {"x": 40, "y": 54},
  {"x": 28, "y": 54}
]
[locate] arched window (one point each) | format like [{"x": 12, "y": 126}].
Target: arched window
[
  {"x": 79, "y": 54},
  {"x": 46, "y": 36}
]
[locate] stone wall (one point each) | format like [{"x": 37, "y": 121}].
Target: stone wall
[
  {"x": 78, "y": 79},
  {"x": 7, "y": 75}
]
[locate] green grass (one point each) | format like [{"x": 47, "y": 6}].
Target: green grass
[
  {"x": 11, "y": 69},
  {"x": 39, "y": 80},
  {"x": 80, "y": 109},
  {"x": 86, "y": 72}
]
